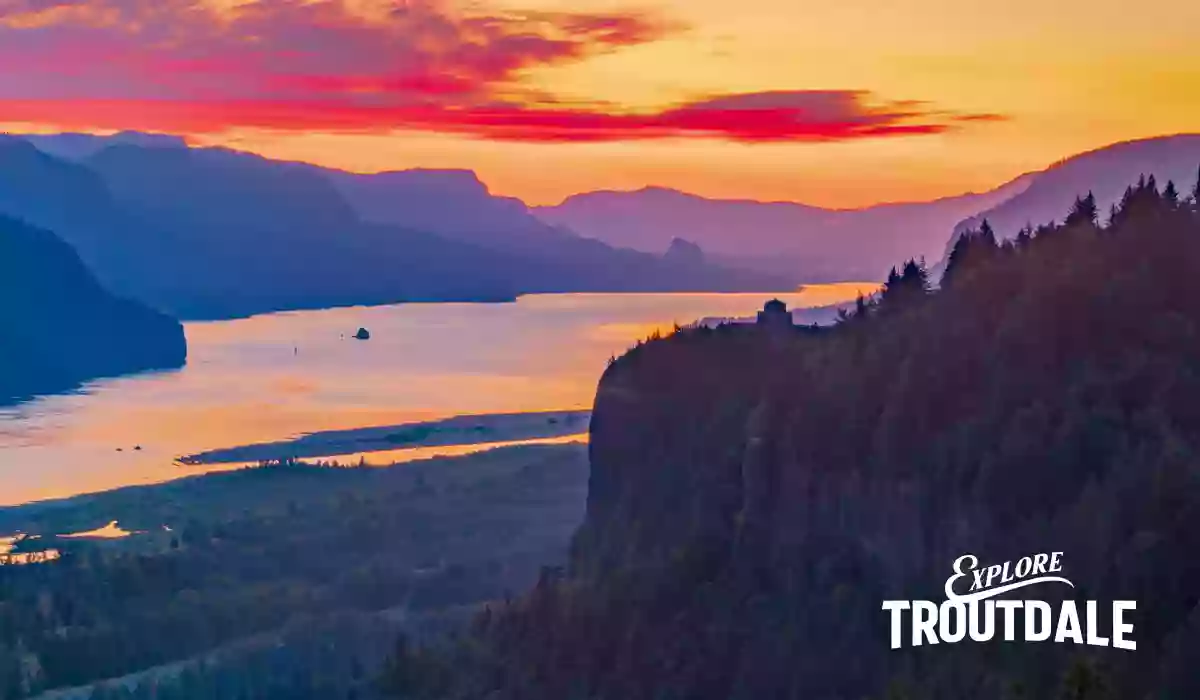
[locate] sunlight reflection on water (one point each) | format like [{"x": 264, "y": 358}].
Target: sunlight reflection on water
[
  {"x": 385, "y": 458},
  {"x": 111, "y": 531},
  {"x": 281, "y": 375},
  {"x": 8, "y": 558}
]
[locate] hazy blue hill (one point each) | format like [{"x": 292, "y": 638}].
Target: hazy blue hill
[
  {"x": 213, "y": 233},
  {"x": 75, "y": 203},
  {"x": 80, "y": 146},
  {"x": 452, "y": 203},
  {"x": 257, "y": 235},
  {"x": 59, "y": 327},
  {"x": 809, "y": 244},
  {"x": 212, "y": 188},
  {"x": 210, "y": 234},
  {"x": 1106, "y": 172},
  {"x": 456, "y": 204},
  {"x": 816, "y": 244}
]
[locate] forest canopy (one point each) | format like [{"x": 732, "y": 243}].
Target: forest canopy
[{"x": 754, "y": 497}]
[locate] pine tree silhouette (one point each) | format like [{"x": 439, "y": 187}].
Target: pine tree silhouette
[
  {"x": 971, "y": 250},
  {"x": 1170, "y": 194},
  {"x": 1084, "y": 211}
]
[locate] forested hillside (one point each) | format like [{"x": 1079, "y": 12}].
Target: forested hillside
[
  {"x": 1104, "y": 172},
  {"x": 283, "y": 582},
  {"x": 756, "y": 495},
  {"x": 59, "y": 327}
]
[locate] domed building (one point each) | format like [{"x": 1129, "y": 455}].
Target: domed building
[{"x": 775, "y": 314}]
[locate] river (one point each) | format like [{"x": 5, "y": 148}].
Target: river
[{"x": 281, "y": 375}]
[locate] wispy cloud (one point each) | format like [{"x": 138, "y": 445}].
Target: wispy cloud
[
  {"x": 381, "y": 53},
  {"x": 195, "y": 66}
]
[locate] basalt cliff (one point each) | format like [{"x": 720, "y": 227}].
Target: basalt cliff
[{"x": 756, "y": 493}]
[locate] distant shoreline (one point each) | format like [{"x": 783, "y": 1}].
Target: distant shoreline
[
  {"x": 496, "y": 300},
  {"x": 455, "y": 431}
]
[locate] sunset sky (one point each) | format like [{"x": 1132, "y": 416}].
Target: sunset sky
[{"x": 833, "y": 103}]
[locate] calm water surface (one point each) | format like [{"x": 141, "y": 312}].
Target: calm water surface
[{"x": 281, "y": 375}]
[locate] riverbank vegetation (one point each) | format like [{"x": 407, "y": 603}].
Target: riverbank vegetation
[{"x": 237, "y": 582}]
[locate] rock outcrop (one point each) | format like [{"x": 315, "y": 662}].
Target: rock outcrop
[{"x": 756, "y": 496}]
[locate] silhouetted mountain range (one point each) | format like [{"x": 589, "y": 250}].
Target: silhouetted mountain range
[
  {"x": 80, "y": 146},
  {"x": 454, "y": 204},
  {"x": 810, "y": 244},
  {"x": 59, "y": 327},
  {"x": 212, "y": 233},
  {"x": 451, "y": 203},
  {"x": 205, "y": 233}
]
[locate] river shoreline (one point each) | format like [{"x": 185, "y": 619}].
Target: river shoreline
[{"x": 456, "y": 431}]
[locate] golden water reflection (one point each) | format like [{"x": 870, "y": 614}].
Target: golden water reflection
[
  {"x": 283, "y": 375},
  {"x": 111, "y": 531},
  {"x": 386, "y": 458},
  {"x": 9, "y": 558}
]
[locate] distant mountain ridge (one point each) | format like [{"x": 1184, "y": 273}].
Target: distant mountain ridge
[
  {"x": 433, "y": 200},
  {"x": 216, "y": 233},
  {"x": 1105, "y": 172},
  {"x": 59, "y": 327},
  {"x": 80, "y": 146},
  {"x": 809, "y": 243},
  {"x": 212, "y": 233},
  {"x": 814, "y": 244}
]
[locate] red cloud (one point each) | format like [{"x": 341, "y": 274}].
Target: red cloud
[
  {"x": 387, "y": 52},
  {"x": 502, "y": 122},
  {"x": 183, "y": 66}
]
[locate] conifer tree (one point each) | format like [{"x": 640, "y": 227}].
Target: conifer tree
[
  {"x": 1084, "y": 211},
  {"x": 1170, "y": 194},
  {"x": 986, "y": 235},
  {"x": 860, "y": 307},
  {"x": 906, "y": 285},
  {"x": 956, "y": 262},
  {"x": 972, "y": 249},
  {"x": 893, "y": 278},
  {"x": 915, "y": 276}
]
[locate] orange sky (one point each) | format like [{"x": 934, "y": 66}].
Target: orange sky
[{"x": 840, "y": 104}]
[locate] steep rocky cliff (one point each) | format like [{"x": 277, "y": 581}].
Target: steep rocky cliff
[{"x": 756, "y": 495}]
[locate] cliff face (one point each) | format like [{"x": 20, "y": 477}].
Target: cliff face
[
  {"x": 755, "y": 496},
  {"x": 1047, "y": 402},
  {"x": 59, "y": 327},
  {"x": 676, "y": 436}
]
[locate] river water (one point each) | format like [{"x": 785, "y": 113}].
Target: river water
[{"x": 280, "y": 375}]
